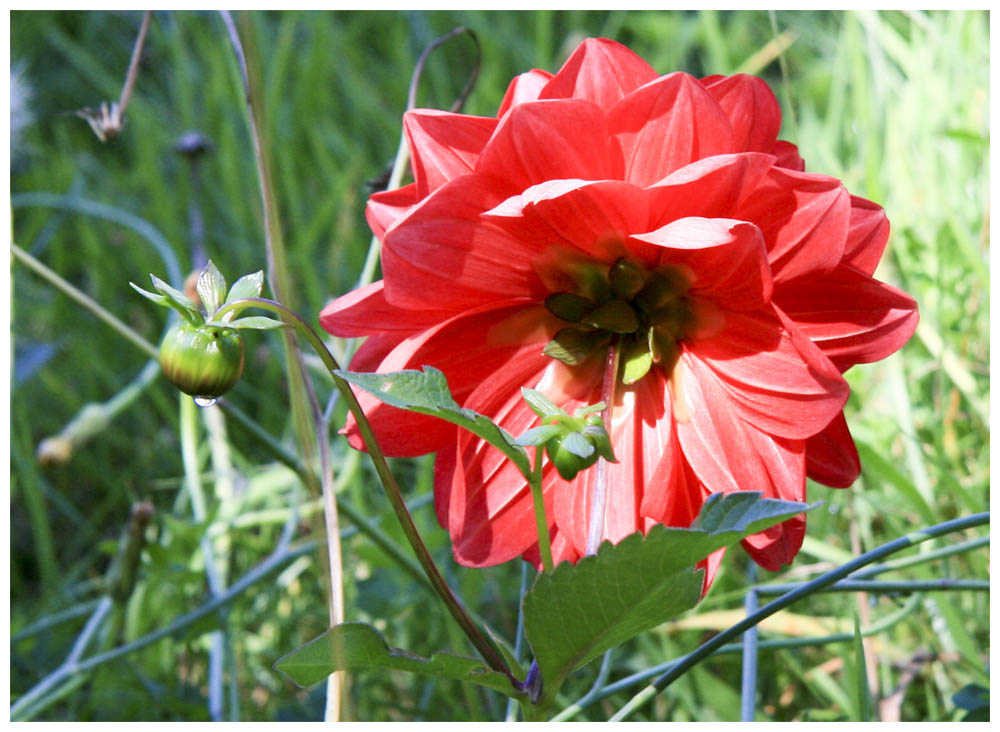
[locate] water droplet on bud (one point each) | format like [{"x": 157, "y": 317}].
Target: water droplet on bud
[{"x": 204, "y": 401}]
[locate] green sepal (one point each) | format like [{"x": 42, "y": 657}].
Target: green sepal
[
  {"x": 578, "y": 445},
  {"x": 573, "y": 346},
  {"x": 211, "y": 288},
  {"x": 626, "y": 279},
  {"x": 615, "y": 316},
  {"x": 568, "y": 306},
  {"x": 636, "y": 361},
  {"x": 177, "y": 299},
  {"x": 541, "y": 404},
  {"x": 538, "y": 435},
  {"x": 250, "y": 285}
]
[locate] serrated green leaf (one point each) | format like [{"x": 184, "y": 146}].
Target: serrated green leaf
[
  {"x": 427, "y": 392},
  {"x": 356, "y": 646},
  {"x": 250, "y": 285},
  {"x": 539, "y": 435},
  {"x": 541, "y": 404},
  {"x": 579, "y": 611}
]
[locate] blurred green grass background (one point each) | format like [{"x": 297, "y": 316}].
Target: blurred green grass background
[{"x": 895, "y": 104}]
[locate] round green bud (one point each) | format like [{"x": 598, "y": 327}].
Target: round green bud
[
  {"x": 566, "y": 457},
  {"x": 202, "y": 361}
]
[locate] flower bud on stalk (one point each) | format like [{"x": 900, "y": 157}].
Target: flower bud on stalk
[
  {"x": 203, "y": 354},
  {"x": 572, "y": 443}
]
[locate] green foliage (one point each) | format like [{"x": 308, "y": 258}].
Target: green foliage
[
  {"x": 356, "y": 646},
  {"x": 427, "y": 392}
]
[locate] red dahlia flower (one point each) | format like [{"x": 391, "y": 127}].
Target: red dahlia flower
[{"x": 606, "y": 204}]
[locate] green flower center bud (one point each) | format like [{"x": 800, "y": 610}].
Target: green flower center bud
[
  {"x": 202, "y": 360},
  {"x": 649, "y": 312}
]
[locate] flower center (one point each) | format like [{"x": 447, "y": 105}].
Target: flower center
[{"x": 648, "y": 311}]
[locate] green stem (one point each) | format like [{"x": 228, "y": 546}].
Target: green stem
[
  {"x": 85, "y": 300},
  {"x": 492, "y": 657},
  {"x": 825, "y": 580},
  {"x": 541, "y": 520},
  {"x": 902, "y": 586},
  {"x": 731, "y": 648}
]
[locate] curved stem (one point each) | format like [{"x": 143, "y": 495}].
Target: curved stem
[
  {"x": 458, "y": 612},
  {"x": 825, "y": 580}
]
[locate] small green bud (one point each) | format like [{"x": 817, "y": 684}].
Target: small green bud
[
  {"x": 202, "y": 360},
  {"x": 571, "y": 453}
]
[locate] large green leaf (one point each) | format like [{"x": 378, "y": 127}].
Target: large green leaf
[
  {"x": 580, "y": 611},
  {"x": 427, "y": 392},
  {"x": 356, "y": 646}
]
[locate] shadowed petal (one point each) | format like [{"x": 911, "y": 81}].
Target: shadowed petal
[
  {"x": 710, "y": 188},
  {"x": 600, "y": 71},
  {"x": 548, "y": 139},
  {"x": 387, "y": 207},
  {"x": 444, "y": 145},
  {"x": 852, "y": 317},
  {"x": 867, "y": 236},
  {"x": 831, "y": 456},
  {"x": 775, "y": 378},
  {"x": 804, "y": 218},
  {"x": 524, "y": 88},
  {"x": 751, "y": 107},
  {"x": 666, "y": 125},
  {"x": 443, "y": 255},
  {"x": 365, "y": 311},
  {"x": 725, "y": 258}
]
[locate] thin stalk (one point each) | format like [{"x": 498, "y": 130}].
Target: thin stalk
[
  {"x": 825, "y": 580},
  {"x": 68, "y": 667},
  {"x": 85, "y": 300},
  {"x": 133, "y": 66},
  {"x": 748, "y": 691},
  {"x": 541, "y": 521},
  {"x": 402, "y": 158},
  {"x": 883, "y": 588},
  {"x": 492, "y": 657},
  {"x": 609, "y": 392},
  {"x": 50, "y": 621},
  {"x": 511, "y": 715},
  {"x": 961, "y": 548},
  {"x": 216, "y": 586}
]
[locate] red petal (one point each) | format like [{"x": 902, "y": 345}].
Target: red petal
[
  {"x": 711, "y": 187},
  {"x": 445, "y": 256},
  {"x": 726, "y": 258},
  {"x": 852, "y": 317},
  {"x": 387, "y": 207},
  {"x": 365, "y": 311},
  {"x": 640, "y": 435},
  {"x": 831, "y": 456},
  {"x": 400, "y": 433},
  {"x": 469, "y": 349},
  {"x": 589, "y": 217},
  {"x": 751, "y": 107},
  {"x": 788, "y": 156},
  {"x": 774, "y": 378},
  {"x": 553, "y": 138},
  {"x": 723, "y": 450},
  {"x": 443, "y": 145},
  {"x": 777, "y": 547},
  {"x": 489, "y": 511},
  {"x": 666, "y": 125},
  {"x": 867, "y": 236},
  {"x": 804, "y": 218},
  {"x": 600, "y": 71},
  {"x": 524, "y": 88}
]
